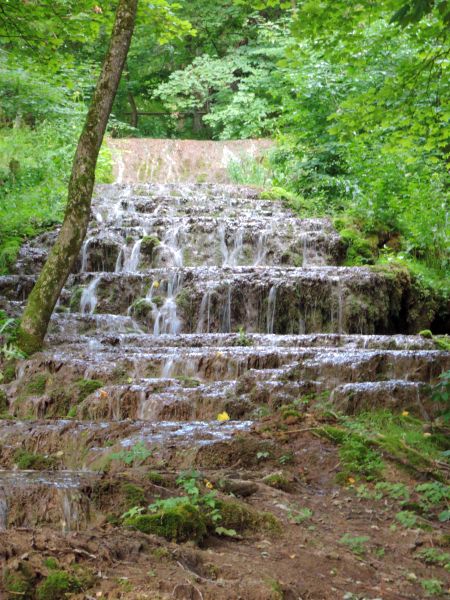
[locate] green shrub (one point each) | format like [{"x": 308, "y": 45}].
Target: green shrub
[{"x": 56, "y": 586}]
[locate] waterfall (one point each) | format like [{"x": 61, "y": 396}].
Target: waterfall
[
  {"x": 261, "y": 249},
  {"x": 168, "y": 368},
  {"x": 3, "y": 510},
  {"x": 340, "y": 305},
  {"x": 223, "y": 244},
  {"x": 131, "y": 265},
  {"x": 166, "y": 319},
  {"x": 271, "y": 303},
  {"x": 88, "y": 301},
  {"x": 234, "y": 256},
  {"x": 225, "y": 321},
  {"x": 204, "y": 319},
  {"x": 84, "y": 254},
  {"x": 305, "y": 252}
]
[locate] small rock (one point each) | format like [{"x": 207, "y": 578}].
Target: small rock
[{"x": 239, "y": 487}]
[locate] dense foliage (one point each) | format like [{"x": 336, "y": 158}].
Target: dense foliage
[{"x": 357, "y": 98}]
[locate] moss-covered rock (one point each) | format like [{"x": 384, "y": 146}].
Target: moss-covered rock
[
  {"x": 240, "y": 517},
  {"x": 179, "y": 523},
  {"x": 134, "y": 494},
  {"x": 36, "y": 386},
  {"x": 148, "y": 245},
  {"x": 279, "y": 481},
  {"x": 87, "y": 386}
]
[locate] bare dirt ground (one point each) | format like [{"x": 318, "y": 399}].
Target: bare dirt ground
[{"x": 301, "y": 557}]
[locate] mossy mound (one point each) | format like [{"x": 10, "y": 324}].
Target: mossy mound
[
  {"x": 279, "y": 481},
  {"x": 240, "y": 517},
  {"x": 179, "y": 523}
]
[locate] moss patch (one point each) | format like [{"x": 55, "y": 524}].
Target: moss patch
[
  {"x": 36, "y": 386},
  {"x": 179, "y": 523},
  {"x": 134, "y": 494},
  {"x": 37, "y": 462},
  {"x": 57, "y": 585},
  {"x": 240, "y": 517},
  {"x": 87, "y": 386}
]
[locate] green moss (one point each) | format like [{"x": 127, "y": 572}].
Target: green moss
[
  {"x": 20, "y": 583},
  {"x": 360, "y": 250},
  {"x": 442, "y": 342},
  {"x": 27, "y": 460},
  {"x": 426, "y": 333},
  {"x": 289, "y": 411},
  {"x": 4, "y": 404},
  {"x": 9, "y": 373},
  {"x": 28, "y": 342},
  {"x": 36, "y": 385},
  {"x": 179, "y": 523},
  {"x": 51, "y": 563},
  {"x": 75, "y": 298},
  {"x": 72, "y": 412},
  {"x": 188, "y": 382},
  {"x": 141, "y": 308},
  {"x": 87, "y": 387},
  {"x": 148, "y": 245},
  {"x": 240, "y": 517},
  {"x": 156, "y": 478},
  {"x": 56, "y": 586},
  {"x": 134, "y": 494},
  {"x": 278, "y": 481}
]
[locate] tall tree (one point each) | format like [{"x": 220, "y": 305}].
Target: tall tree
[{"x": 57, "y": 268}]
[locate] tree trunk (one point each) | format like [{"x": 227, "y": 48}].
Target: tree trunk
[
  {"x": 134, "y": 111},
  {"x": 58, "y": 266}
]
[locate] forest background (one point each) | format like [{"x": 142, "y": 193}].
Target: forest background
[{"x": 355, "y": 95}]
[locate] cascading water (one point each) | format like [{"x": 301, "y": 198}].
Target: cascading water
[
  {"x": 207, "y": 289},
  {"x": 88, "y": 301},
  {"x": 205, "y": 313},
  {"x": 271, "y": 305}
]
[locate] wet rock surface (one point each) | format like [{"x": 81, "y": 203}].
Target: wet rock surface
[{"x": 189, "y": 301}]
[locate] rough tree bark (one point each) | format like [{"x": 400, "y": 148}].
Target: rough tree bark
[{"x": 58, "y": 266}]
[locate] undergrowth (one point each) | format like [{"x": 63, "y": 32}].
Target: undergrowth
[{"x": 35, "y": 165}]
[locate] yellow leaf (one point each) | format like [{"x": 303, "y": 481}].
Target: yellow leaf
[
  {"x": 405, "y": 413},
  {"x": 156, "y": 284},
  {"x": 208, "y": 484},
  {"x": 223, "y": 416},
  {"x": 351, "y": 480}
]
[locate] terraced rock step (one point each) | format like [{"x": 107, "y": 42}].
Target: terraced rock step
[{"x": 189, "y": 301}]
